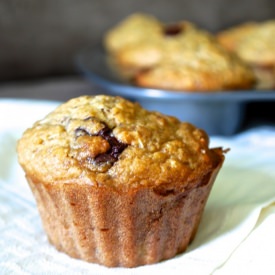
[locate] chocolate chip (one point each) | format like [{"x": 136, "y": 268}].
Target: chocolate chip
[
  {"x": 105, "y": 132},
  {"x": 171, "y": 30},
  {"x": 116, "y": 147}
]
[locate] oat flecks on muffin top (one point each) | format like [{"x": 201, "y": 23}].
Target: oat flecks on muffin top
[{"x": 109, "y": 140}]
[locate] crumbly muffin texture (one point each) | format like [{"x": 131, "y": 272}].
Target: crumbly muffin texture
[
  {"x": 176, "y": 56},
  {"x": 111, "y": 141}
]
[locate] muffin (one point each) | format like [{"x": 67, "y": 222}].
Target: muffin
[
  {"x": 162, "y": 43},
  {"x": 116, "y": 184},
  {"x": 200, "y": 75},
  {"x": 128, "y": 33},
  {"x": 254, "y": 42},
  {"x": 176, "y": 56},
  {"x": 193, "y": 60},
  {"x": 134, "y": 28}
]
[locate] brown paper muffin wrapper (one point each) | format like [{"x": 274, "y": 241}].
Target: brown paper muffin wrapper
[{"x": 120, "y": 228}]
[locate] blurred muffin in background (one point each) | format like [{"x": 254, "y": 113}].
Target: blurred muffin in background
[
  {"x": 191, "y": 59},
  {"x": 254, "y": 42},
  {"x": 133, "y": 29},
  {"x": 177, "y": 56}
]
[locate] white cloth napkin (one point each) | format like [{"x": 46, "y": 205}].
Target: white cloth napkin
[{"x": 235, "y": 235}]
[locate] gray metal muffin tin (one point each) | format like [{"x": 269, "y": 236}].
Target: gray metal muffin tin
[{"x": 218, "y": 113}]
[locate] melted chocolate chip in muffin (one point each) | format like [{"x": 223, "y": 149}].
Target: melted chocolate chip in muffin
[
  {"x": 116, "y": 147},
  {"x": 172, "y": 30},
  {"x": 112, "y": 149}
]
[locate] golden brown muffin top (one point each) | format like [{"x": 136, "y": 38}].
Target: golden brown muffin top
[
  {"x": 104, "y": 140},
  {"x": 230, "y": 38},
  {"x": 165, "y": 42},
  {"x": 253, "y": 42},
  {"x": 196, "y": 62},
  {"x": 135, "y": 27}
]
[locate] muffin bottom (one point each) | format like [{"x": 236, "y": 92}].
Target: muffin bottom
[{"x": 127, "y": 228}]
